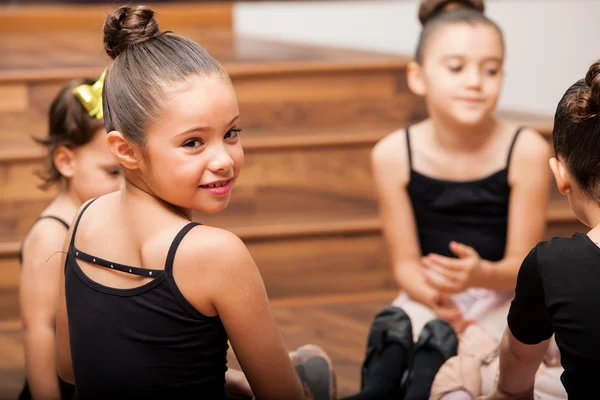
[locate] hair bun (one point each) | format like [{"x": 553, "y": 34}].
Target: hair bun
[
  {"x": 432, "y": 8},
  {"x": 127, "y": 26},
  {"x": 584, "y": 103}
]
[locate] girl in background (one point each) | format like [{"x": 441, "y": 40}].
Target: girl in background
[
  {"x": 150, "y": 299},
  {"x": 80, "y": 164},
  {"x": 463, "y": 196}
]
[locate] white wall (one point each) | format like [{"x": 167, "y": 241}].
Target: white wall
[{"x": 550, "y": 43}]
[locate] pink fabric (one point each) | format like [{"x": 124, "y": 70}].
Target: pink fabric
[{"x": 475, "y": 369}]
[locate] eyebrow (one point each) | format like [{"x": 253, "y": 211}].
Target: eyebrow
[
  {"x": 485, "y": 59},
  {"x": 204, "y": 128}
]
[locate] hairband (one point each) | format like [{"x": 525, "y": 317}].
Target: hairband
[{"x": 90, "y": 97}]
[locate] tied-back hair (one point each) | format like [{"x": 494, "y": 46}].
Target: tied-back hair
[
  {"x": 69, "y": 125},
  {"x": 576, "y": 132},
  {"x": 146, "y": 60},
  {"x": 434, "y": 14}
]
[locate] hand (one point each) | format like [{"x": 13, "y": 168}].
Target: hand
[
  {"x": 445, "y": 308},
  {"x": 452, "y": 275}
]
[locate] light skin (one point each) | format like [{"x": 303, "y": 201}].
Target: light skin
[
  {"x": 88, "y": 171},
  {"x": 519, "y": 362},
  {"x": 460, "y": 78},
  {"x": 194, "y": 142}
]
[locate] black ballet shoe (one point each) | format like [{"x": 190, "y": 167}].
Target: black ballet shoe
[
  {"x": 438, "y": 335},
  {"x": 390, "y": 325}
]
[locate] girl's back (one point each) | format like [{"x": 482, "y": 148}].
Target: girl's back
[{"x": 160, "y": 346}]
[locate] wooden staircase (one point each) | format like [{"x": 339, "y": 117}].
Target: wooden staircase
[{"x": 305, "y": 202}]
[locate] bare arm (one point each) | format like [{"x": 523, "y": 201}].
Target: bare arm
[
  {"x": 528, "y": 209},
  {"x": 38, "y": 294},
  {"x": 63, "y": 347},
  {"x": 236, "y": 290},
  {"x": 518, "y": 364},
  {"x": 528, "y": 319},
  {"x": 391, "y": 172}
]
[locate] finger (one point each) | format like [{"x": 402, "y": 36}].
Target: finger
[
  {"x": 462, "y": 250},
  {"x": 446, "y": 286},
  {"x": 442, "y": 274},
  {"x": 446, "y": 262}
]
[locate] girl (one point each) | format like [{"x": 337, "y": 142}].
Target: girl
[
  {"x": 149, "y": 298},
  {"x": 557, "y": 286},
  {"x": 79, "y": 163},
  {"x": 462, "y": 195}
]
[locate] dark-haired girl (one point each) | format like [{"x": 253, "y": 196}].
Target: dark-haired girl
[
  {"x": 558, "y": 283},
  {"x": 150, "y": 299},
  {"x": 79, "y": 164},
  {"x": 462, "y": 196}
]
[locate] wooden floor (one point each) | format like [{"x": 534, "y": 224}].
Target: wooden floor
[{"x": 339, "y": 324}]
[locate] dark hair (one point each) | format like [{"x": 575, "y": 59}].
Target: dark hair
[
  {"x": 436, "y": 13},
  {"x": 70, "y": 125},
  {"x": 145, "y": 60},
  {"x": 576, "y": 132}
]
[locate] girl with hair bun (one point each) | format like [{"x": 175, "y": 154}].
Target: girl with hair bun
[
  {"x": 462, "y": 196},
  {"x": 558, "y": 283},
  {"x": 79, "y": 164},
  {"x": 150, "y": 299}
]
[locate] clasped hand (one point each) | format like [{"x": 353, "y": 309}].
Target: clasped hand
[{"x": 452, "y": 275}]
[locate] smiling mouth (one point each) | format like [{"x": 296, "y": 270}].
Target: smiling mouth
[{"x": 216, "y": 185}]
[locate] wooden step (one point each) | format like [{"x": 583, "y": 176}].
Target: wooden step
[
  {"x": 274, "y": 184},
  {"x": 279, "y": 85},
  {"x": 34, "y": 56},
  {"x": 44, "y": 18},
  {"x": 268, "y": 225},
  {"x": 324, "y": 253}
]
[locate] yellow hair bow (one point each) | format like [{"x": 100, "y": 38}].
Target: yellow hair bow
[{"x": 90, "y": 97}]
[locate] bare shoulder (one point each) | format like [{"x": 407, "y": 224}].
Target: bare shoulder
[
  {"x": 529, "y": 161},
  {"x": 531, "y": 149},
  {"x": 389, "y": 157},
  {"x": 390, "y": 148},
  {"x": 218, "y": 251},
  {"x": 45, "y": 239}
]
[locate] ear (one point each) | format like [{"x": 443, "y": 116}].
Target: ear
[
  {"x": 127, "y": 154},
  {"x": 559, "y": 170},
  {"x": 64, "y": 161},
  {"x": 416, "y": 79}
]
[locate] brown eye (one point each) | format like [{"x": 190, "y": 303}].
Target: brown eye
[
  {"x": 193, "y": 143},
  {"x": 233, "y": 133}
]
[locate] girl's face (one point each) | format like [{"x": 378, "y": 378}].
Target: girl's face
[
  {"x": 93, "y": 171},
  {"x": 193, "y": 152},
  {"x": 461, "y": 74}
]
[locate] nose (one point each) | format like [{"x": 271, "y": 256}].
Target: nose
[
  {"x": 473, "y": 77},
  {"x": 221, "y": 162}
]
